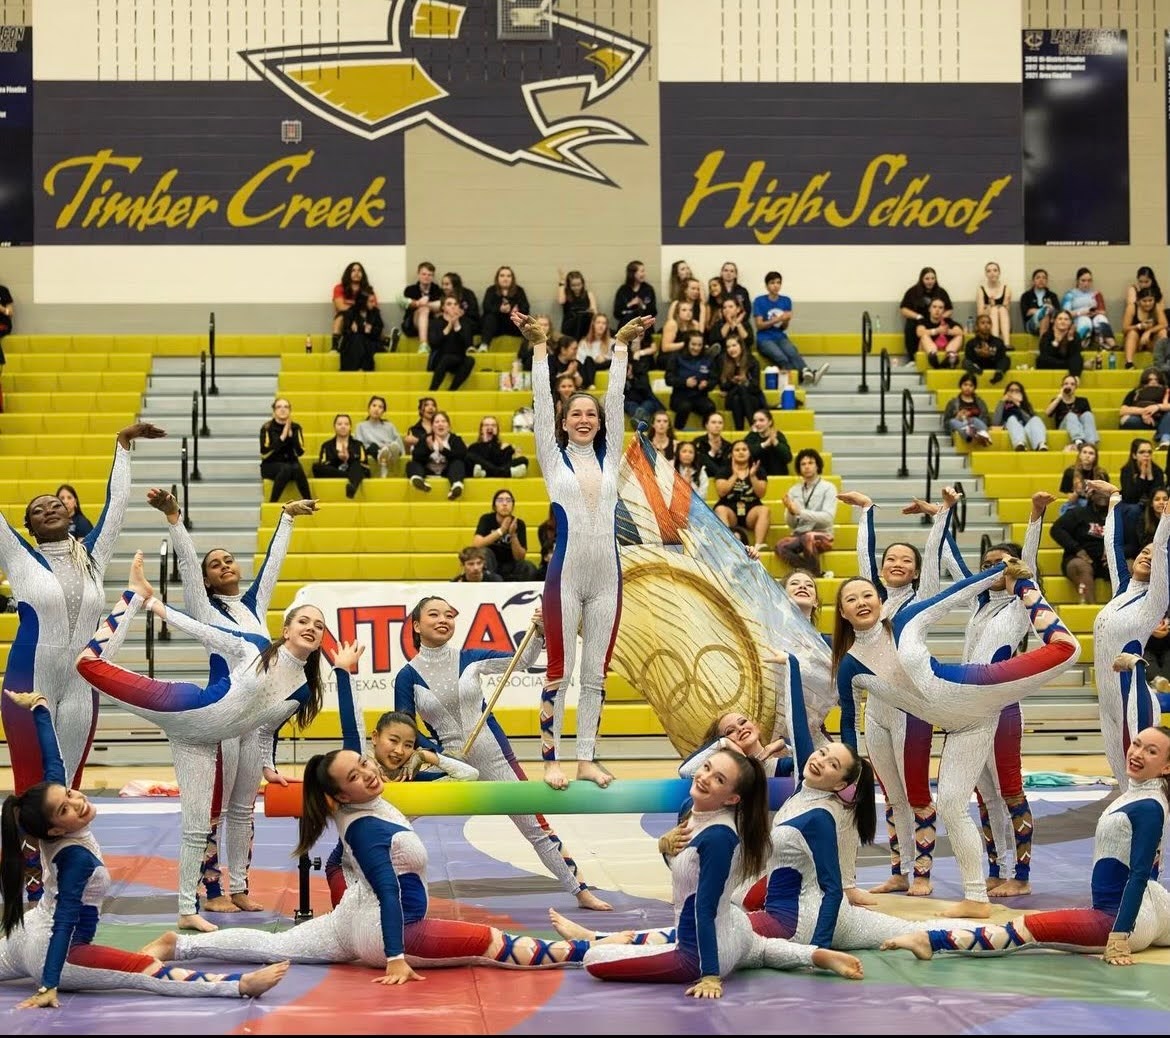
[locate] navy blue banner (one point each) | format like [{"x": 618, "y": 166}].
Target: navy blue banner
[
  {"x": 16, "y": 135},
  {"x": 1076, "y": 137}
]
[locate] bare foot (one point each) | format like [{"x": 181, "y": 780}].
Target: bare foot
[
  {"x": 246, "y": 904},
  {"x": 568, "y": 929},
  {"x": 554, "y": 776},
  {"x": 162, "y": 947},
  {"x": 254, "y": 984},
  {"x": 1011, "y": 888},
  {"x": 223, "y": 903},
  {"x": 617, "y": 937},
  {"x": 196, "y": 922},
  {"x": 841, "y": 963},
  {"x": 893, "y": 885},
  {"x": 588, "y": 899},
  {"x": 920, "y": 886},
  {"x": 138, "y": 582},
  {"x": 968, "y": 909},
  {"x": 917, "y": 942},
  {"x": 591, "y": 771},
  {"x": 860, "y": 899},
  {"x": 991, "y": 883}
]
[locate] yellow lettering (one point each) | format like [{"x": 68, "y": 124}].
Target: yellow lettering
[
  {"x": 298, "y": 203},
  {"x": 204, "y": 204},
  {"x": 237, "y": 214},
  {"x": 983, "y": 209},
  {"x": 960, "y": 212},
  {"x": 321, "y": 209},
  {"x": 882, "y": 212},
  {"x": 340, "y": 212},
  {"x": 774, "y": 213},
  {"x": 93, "y": 166},
  {"x": 810, "y": 205},
  {"x": 704, "y": 188},
  {"x": 178, "y": 212},
  {"x": 933, "y": 211},
  {"x": 895, "y": 163},
  {"x": 368, "y": 205},
  {"x": 909, "y": 205}
]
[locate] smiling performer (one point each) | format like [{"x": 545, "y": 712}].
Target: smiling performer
[
  {"x": 579, "y": 452},
  {"x": 266, "y": 684}
]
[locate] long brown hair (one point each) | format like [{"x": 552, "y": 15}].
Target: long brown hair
[
  {"x": 751, "y": 815},
  {"x": 21, "y": 813},
  {"x": 562, "y": 433},
  {"x": 312, "y": 706},
  {"x": 843, "y": 633},
  {"x": 316, "y": 808},
  {"x": 731, "y": 365}
]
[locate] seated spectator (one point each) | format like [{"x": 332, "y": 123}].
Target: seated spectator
[
  {"x": 450, "y": 339},
  {"x": 342, "y": 457},
  {"x": 1144, "y": 325},
  {"x": 773, "y": 314},
  {"x": 282, "y": 442},
  {"x": 1016, "y": 414},
  {"x": 714, "y": 451},
  {"x": 1141, "y": 477},
  {"x": 1074, "y": 482},
  {"x": 1157, "y": 655},
  {"x": 728, "y": 288},
  {"x": 452, "y": 285},
  {"x": 428, "y": 407},
  {"x": 502, "y": 296},
  {"x": 1060, "y": 349},
  {"x": 7, "y": 312},
  {"x": 504, "y": 537},
  {"x": 986, "y": 352},
  {"x": 1147, "y": 406},
  {"x": 1139, "y": 523},
  {"x": 578, "y": 304},
  {"x": 352, "y": 291},
  {"x": 1039, "y": 304},
  {"x": 967, "y": 414},
  {"x": 940, "y": 338},
  {"x": 441, "y": 453},
  {"x": 994, "y": 299},
  {"x": 680, "y": 274},
  {"x": 691, "y": 381},
  {"x": 361, "y": 331},
  {"x": 741, "y": 496},
  {"x": 686, "y": 464},
  {"x": 1143, "y": 279},
  {"x": 564, "y": 360},
  {"x": 662, "y": 434},
  {"x": 488, "y": 456},
  {"x": 691, "y": 292},
  {"x": 811, "y": 505},
  {"x": 635, "y": 298},
  {"x": 715, "y": 300},
  {"x": 597, "y": 344},
  {"x": 379, "y": 436},
  {"x": 79, "y": 525},
  {"x": 1073, "y": 414},
  {"x": 768, "y": 444},
  {"x": 546, "y": 534},
  {"x": 474, "y": 567},
  {"x": 739, "y": 378},
  {"x": 420, "y": 302},
  {"x": 1081, "y": 533},
  {"x": 731, "y": 319},
  {"x": 523, "y": 361},
  {"x": 679, "y": 325},
  {"x": 640, "y": 403},
  {"x": 1087, "y": 307},
  {"x": 915, "y": 306},
  {"x": 563, "y": 388}
]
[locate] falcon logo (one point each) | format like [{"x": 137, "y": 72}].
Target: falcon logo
[{"x": 477, "y": 72}]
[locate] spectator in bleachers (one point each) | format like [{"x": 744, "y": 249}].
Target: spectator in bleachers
[
  {"x": 546, "y": 536},
  {"x": 564, "y": 359},
  {"x": 640, "y": 403},
  {"x": 635, "y": 298},
  {"x": 1076, "y": 476},
  {"x": 691, "y": 380},
  {"x": 502, "y": 296},
  {"x": 714, "y": 451},
  {"x": 741, "y": 497},
  {"x": 380, "y": 436},
  {"x": 523, "y": 359},
  {"x": 661, "y": 434},
  {"x": 282, "y": 442},
  {"x": 1060, "y": 348},
  {"x": 440, "y": 453},
  {"x": 564, "y": 387},
  {"x": 1157, "y": 655},
  {"x": 352, "y": 292},
  {"x": 1143, "y": 279},
  {"x": 474, "y": 567},
  {"x": 1087, "y": 307},
  {"x": 986, "y": 352},
  {"x": 450, "y": 339},
  {"x": 994, "y": 299},
  {"x": 1081, "y": 533},
  {"x": 772, "y": 313},
  {"x": 940, "y": 338},
  {"x": 361, "y": 331},
  {"x": 421, "y": 302},
  {"x": 811, "y": 505},
  {"x": 7, "y": 312},
  {"x": 714, "y": 301},
  {"x": 1039, "y": 303},
  {"x": 915, "y": 305},
  {"x": 1141, "y": 476},
  {"x": 1017, "y": 416},
  {"x": 79, "y": 526},
  {"x": 578, "y": 304},
  {"x": 1144, "y": 325},
  {"x": 691, "y": 292},
  {"x": 677, "y": 328},
  {"x": 739, "y": 378},
  {"x": 1073, "y": 414},
  {"x": 731, "y": 319},
  {"x": 967, "y": 414},
  {"x": 680, "y": 274},
  {"x": 1140, "y": 523},
  {"x": 686, "y": 464},
  {"x": 452, "y": 285},
  {"x": 427, "y": 408},
  {"x": 596, "y": 345},
  {"x": 342, "y": 457},
  {"x": 769, "y": 444},
  {"x": 504, "y": 537},
  {"x": 1147, "y": 406},
  {"x": 488, "y": 456},
  {"x": 729, "y": 288}
]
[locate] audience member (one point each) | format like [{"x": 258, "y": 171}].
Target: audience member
[
  {"x": 597, "y": 344},
  {"x": 741, "y": 496},
  {"x": 441, "y": 453},
  {"x": 7, "y": 312},
  {"x": 635, "y": 298},
  {"x": 450, "y": 339},
  {"x": 565, "y": 360},
  {"x": 1060, "y": 349},
  {"x": 1087, "y": 307},
  {"x": 79, "y": 525},
  {"x": 1015, "y": 413},
  {"x": 915, "y": 306},
  {"x": 1074, "y": 481},
  {"x": 523, "y": 360},
  {"x": 1039, "y": 303},
  {"x": 1142, "y": 522},
  {"x": 1081, "y": 533},
  {"x": 731, "y": 319},
  {"x": 940, "y": 338},
  {"x": 729, "y": 288},
  {"x": 1143, "y": 279},
  {"x": 686, "y": 464},
  {"x": 967, "y": 414},
  {"x": 1157, "y": 654},
  {"x": 578, "y": 304},
  {"x": 1144, "y": 325},
  {"x": 546, "y": 535},
  {"x": 1141, "y": 476},
  {"x": 773, "y": 314},
  {"x": 427, "y": 408},
  {"x": 488, "y": 456},
  {"x": 994, "y": 299},
  {"x": 1147, "y": 406},
  {"x": 353, "y": 291},
  {"x": 691, "y": 380},
  {"x": 1073, "y": 414},
  {"x": 502, "y": 296},
  {"x": 380, "y": 436},
  {"x": 677, "y": 328},
  {"x": 713, "y": 450},
  {"x": 691, "y": 292},
  {"x": 282, "y": 442},
  {"x": 768, "y": 444},
  {"x": 811, "y": 505},
  {"x": 662, "y": 434},
  {"x": 680, "y": 274},
  {"x": 563, "y": 388},
  {"x": 342, "y": 457},
  {"x": 504, "y": 536},
  {"x": 474, "y": 567},
  {"x": 452, "y": 285},
  {"x": 739, "y": 378},
  {"x": 640, "y": 403},
  {"x": 986, "y": 352},
  {"x": 357, "y": 320},
  {"x": 420, "y": 302}
]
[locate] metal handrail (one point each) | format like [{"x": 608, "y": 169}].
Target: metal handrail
[
  {"x": 933, "y": 461},
  {"x": 211, "y": 349},
  {"x": 866, "y": 347},
  {"x": 195, "y": 473},
  {"x": 176, "y": 576},
  {"x": 164, "y": 549},
  {"x": 203, "y": 429},
  {"x": 985, "y": 543},
  {"x": 959, "y": 512},
  {"x": 185, "y": 477},
  {"x": 887, "y": 380},
  {"x": 907, "y": 429},
  {"x": 150, "y": 643}
]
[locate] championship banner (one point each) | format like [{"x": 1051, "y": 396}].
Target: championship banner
[
  {"x": 16, "y": 135},
  {"x": 1076, "y": 136}
]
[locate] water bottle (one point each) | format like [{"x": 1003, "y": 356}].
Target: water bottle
[
  {"x": 1112, "y": 361},
  {"x": 788, "y": 398},
  {"x": 771, "y": 378},
  {"x": 1100, "y": 360},
  {"x": 308, "y": 344}
]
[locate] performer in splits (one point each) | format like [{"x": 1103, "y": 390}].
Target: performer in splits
[
  {"x": 58, "y": 584},
  {"x": 1131, "y": 909},
  {"x": 53, "y": 942},
  {"x": 381, "y": 920},
  {"x": 441, "y": 685},
  {"x": 211, "y": 594},
  {"x": 579, "y": 451},
  {"x": 266, "y": 683}
]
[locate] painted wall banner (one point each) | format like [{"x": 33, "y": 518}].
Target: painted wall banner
[
  {"x": 840, "y": 163},
  {"x": 167, "y": 163},
  {"x": 1076, "y": 137},
  {"x": 16, "y": 135}
]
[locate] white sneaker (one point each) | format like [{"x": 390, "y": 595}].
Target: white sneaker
[
  {"x": 420, "y": 484},
  {"x": 455, "y": 491},
  {"x": 481, "y": 348},
  {"x": 423, "y": 348},
  {"x": 828, "y": 574},
  {"x": 809, "y": 376},
  {"x": 984, "y": 437},
  {"x": 478, "y": 471},
  {"x": 519, "y": 471},
  {"x": 819, "y": 374}
]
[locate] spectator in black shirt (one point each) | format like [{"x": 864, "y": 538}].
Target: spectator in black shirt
[
  {"x": 1039, "y": 304},
  {"x": 475, "y": 571},
  {"x": 635, "y": 298},
  {"x": 420, "y": 302},
  {"x": 450, "y": 340},
  {"x": 282, "y": 442},
  {"x": 986, "y": 352},
  {"x": 505, "y": 536},
  {"x": 342, "y": 457}
]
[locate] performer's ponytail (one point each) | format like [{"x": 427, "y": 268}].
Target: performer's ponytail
[
  {"x": 318, "y": 787},
  {"x": 20, "y": 813}
]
